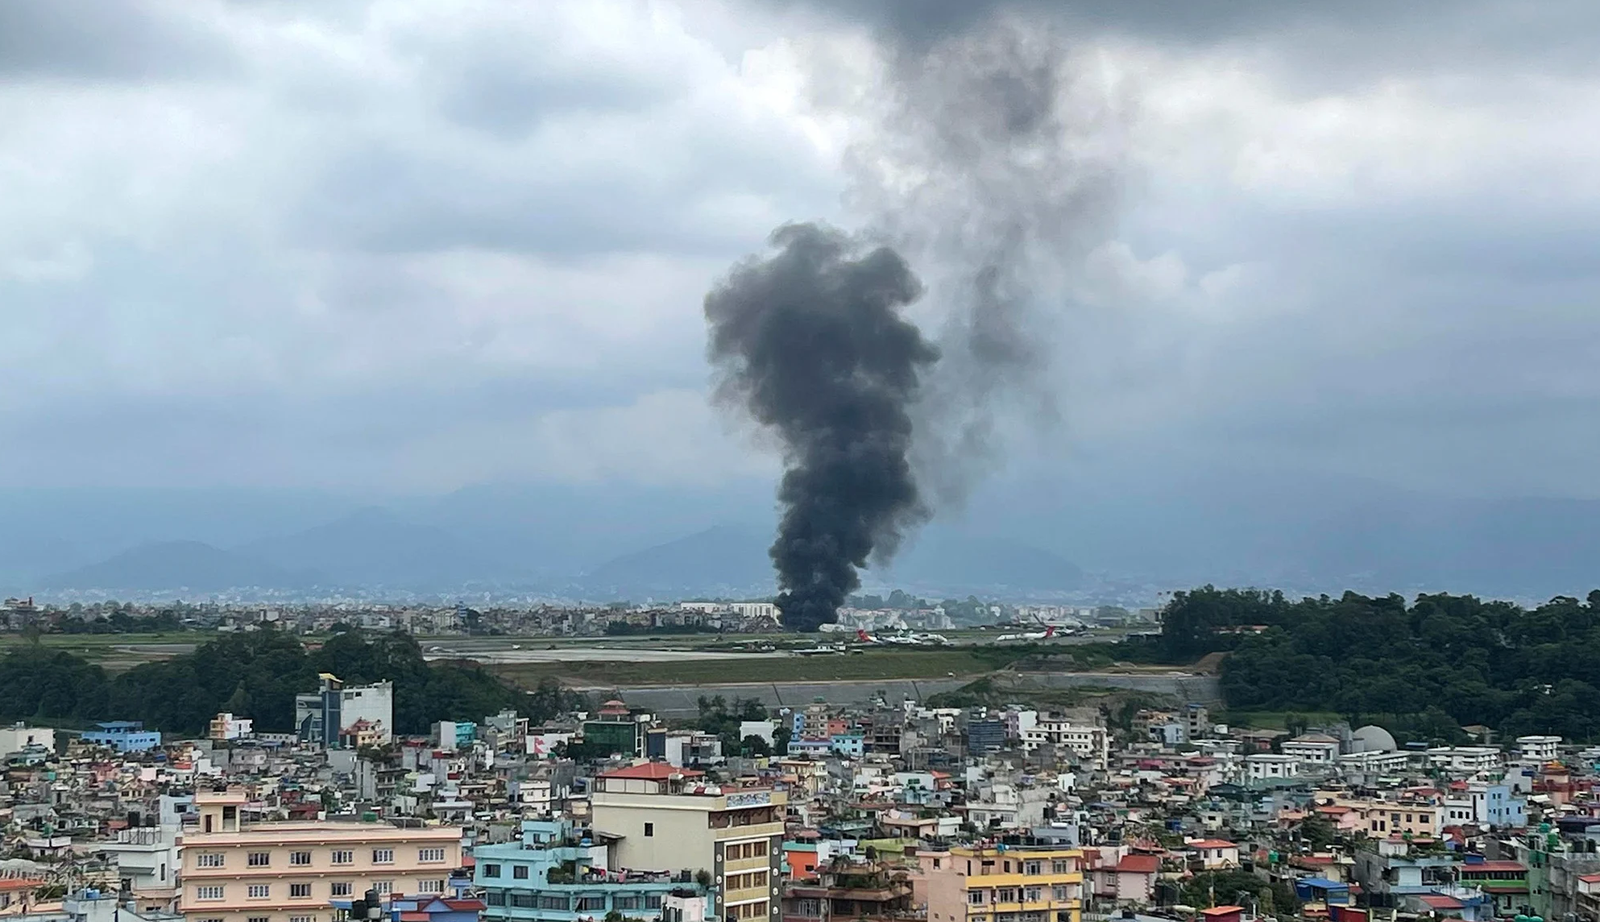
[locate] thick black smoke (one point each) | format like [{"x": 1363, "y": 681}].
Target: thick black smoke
[{"x": 810, "y": 342}]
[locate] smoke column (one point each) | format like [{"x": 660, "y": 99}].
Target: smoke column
[
  {"x": 810, "y": 342},
  {"x": 983, "y": 151},
  {"x": 992, "y": 149}
]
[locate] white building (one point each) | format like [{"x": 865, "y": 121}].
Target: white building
[
  {"x": 225, "y": 726},
  {"x": 325, "y": 715},
  {"x": 19, "y": 736},
  {"x": 1539, "y": 749},
  {"x": 755, "y": 609},
  {"x": 1313, "y": 749},
  {"x": 1466, "y": 760},
  {"x": 1375, "y": 763},
  {"x": 1263, "y": 765},
  {"x": 1088, "y": 742},
  {"x": 147, "y": 863},
  {"x": 1214, "y": 854},
  {"x": 765, "y": 729}
]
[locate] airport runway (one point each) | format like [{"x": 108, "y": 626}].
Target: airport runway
[{"x": 589, "y": 655}]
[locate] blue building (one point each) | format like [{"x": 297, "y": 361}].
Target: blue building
[
  {"x": 1501, "y": 807},
  {"x": 556, "y": 873},
  {"x": 849, "y": 745},
  {"x": 986, "y": 735},
  {"x": 124, "y": 736}
]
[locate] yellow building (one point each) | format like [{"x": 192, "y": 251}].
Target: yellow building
[
  {"x": 660, "y": 818},
  {"x": 291, "y": 872},
  {"x": 1022, "y": 883}
]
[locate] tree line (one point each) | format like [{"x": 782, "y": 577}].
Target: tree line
[
  {"x": 1423, "y": 668},
  {"x": 257, "y": 674}
]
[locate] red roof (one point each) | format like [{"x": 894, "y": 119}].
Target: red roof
[
  {"x": 1440, "y": 901},
  {"x": 1212, "y": 843},
  {"x": 1493, "y": 866},
  {"x": 19, "y": 883},
  {"x": 1139, "y": 864},
  {"x": 465, "y": 905},
  {"x": 1222, "y": 911},
  {"x": 1589, "y": 878},
  {"x": 652, "y": 771}
]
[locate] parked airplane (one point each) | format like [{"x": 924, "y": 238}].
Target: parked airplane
[
  {"x": 904, "y": 640},
  {"x": 1046, "y": 634}
]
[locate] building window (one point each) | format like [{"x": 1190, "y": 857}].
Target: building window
[
  {"x": 430, "y": 886},
  {"x": 343, "y": 856},
  {"x": 209, "y": 860},
  {"x": 430, "y": 855},
  {"x": 302, "y": 919},
  {"x": 212, "y": 892},
  {"x": 519, "y": 871},
  {"x": 300, "y": 859},
  {"x": 339, "y": 888},
  {"x": 384, "y": 887},
  {"x": 591, "y": 904},
  {"x": 1031, "y": 895},
  {"x": 491, "y": 870},
  {"x": 652, "y": 901},
  {"x": 649, "y": 830},
  {"x": 620, "y": 903},
  {"x": 976, "y": 897},
  {"x": 1058, "y": 892},
  {"x": 1061, "y": 866},
  {"x": 1033, "y": 868},
  {"x": 299, "y": 891},
  {"x": 494, "y": 897},
  {"x": 256, "y": 919},
  {"x": 383, "y": 856},
  {"x": 259, "y": 891},
  {"x": 1005, "y": 895},
  {"x": 259, "y": 859}
]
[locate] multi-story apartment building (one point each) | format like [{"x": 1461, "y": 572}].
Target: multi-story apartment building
[
  {"x": 1465, "y": 760},
  {"x": 1010, "y": 883},
  {"x": 1313, "y": 749},
  {"x": 147, "y": 864},
  {"x": 332, "y": 712},
  {"x": 557, "y": 873},
  {"x": 296, "y": 871},
  {"x": 1538, "y": 749},
  {"x": 660, "y": 818},
  {"x": 1090, "y": 743}
]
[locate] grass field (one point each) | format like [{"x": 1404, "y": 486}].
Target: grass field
[
  {"x": 114, "y": 652},
  {"x": 868, "y": 664}
]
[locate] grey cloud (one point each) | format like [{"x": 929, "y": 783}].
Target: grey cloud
[
  {"x": 384, "y": 197},
  {"x": 121, "y": 40},
  {"x": 1312, "y": 45}
]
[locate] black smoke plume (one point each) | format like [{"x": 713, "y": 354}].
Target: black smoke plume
[{"x": 810, "y": 342}]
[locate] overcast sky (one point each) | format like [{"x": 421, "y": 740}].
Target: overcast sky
[{"x": 418, "y": 245}]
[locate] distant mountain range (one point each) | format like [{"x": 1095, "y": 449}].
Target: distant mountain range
[
  {"x": 179, "y": 565},
  {"x": 1300, "y": 533}
]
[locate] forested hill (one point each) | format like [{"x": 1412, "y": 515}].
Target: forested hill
[
  {"x": 257, "y": 675},
  {"x": 1423, "y": 668}
]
